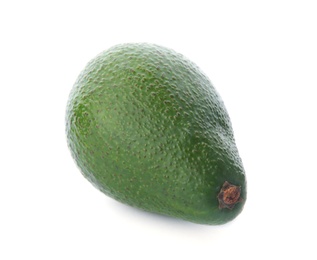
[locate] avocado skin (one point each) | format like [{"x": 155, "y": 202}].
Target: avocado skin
[{"x": 147, "y": 128}]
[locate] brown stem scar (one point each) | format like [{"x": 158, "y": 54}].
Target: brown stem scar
[{"x": 229, "y": 195}]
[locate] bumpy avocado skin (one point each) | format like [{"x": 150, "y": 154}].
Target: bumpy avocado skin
[{"x": 147, "y": 128}]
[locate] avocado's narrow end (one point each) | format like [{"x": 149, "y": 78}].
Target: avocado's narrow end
[{"x": 229, "y": 196}]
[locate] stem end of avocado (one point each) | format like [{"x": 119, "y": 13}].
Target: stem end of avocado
[{"x": 229, "y": 195}]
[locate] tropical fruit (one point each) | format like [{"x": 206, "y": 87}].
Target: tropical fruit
[{"x": 147, "y": 128}]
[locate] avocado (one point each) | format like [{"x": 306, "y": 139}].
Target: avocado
[{"x": 146, "y": 127}]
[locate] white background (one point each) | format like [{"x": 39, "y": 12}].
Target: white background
[{"x": 262, "y": 58}]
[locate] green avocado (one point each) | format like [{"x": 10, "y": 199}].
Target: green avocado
[{"x": 147, "y": 128}]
